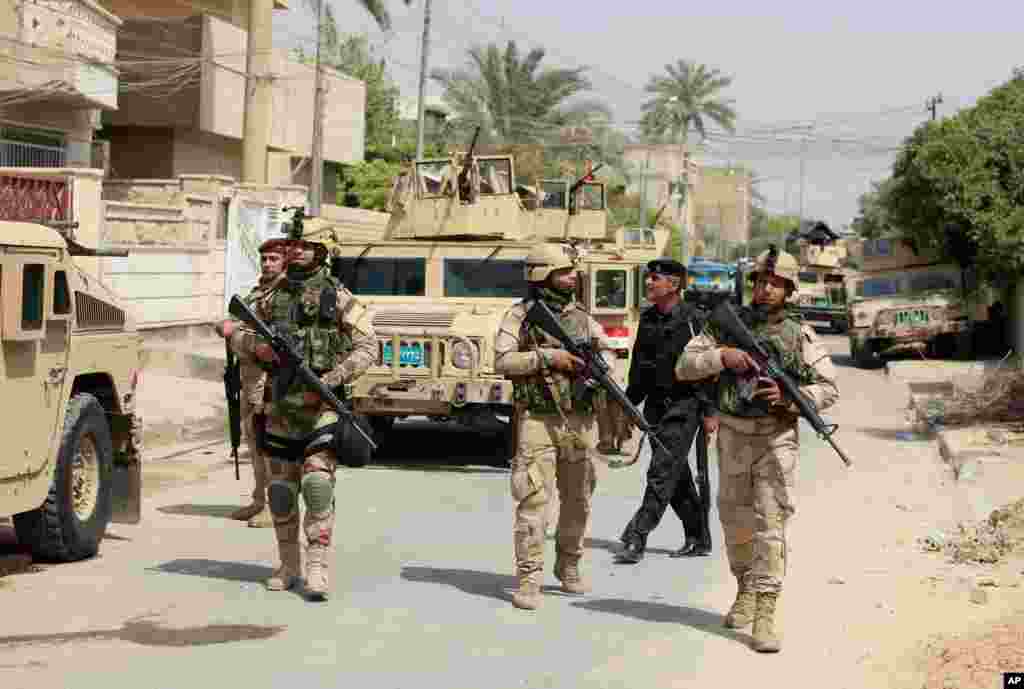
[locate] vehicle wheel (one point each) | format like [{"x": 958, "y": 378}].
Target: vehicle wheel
[
  {"x": 862, "y": 355},
  {"x": 382, "y": 424},
  {"x": 944, "y": 346},
  {"x": 71, "y": 523}
]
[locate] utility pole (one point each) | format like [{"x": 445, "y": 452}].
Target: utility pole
[
  {"x": 643, "y": 190},
  {"x": 423, "y": 79},
  {"x": 258, "y": 92},
  {"x": 932, "y": 103},
  {"x": 317, "y": 154}
]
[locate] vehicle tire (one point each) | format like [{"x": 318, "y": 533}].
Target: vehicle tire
[
  {"x": 862, "y": 356},
  {"x": 381, "y": 425},
  {"x": 72, "y": 521}
]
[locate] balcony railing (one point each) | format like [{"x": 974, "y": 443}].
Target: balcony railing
[{"x": 18, "y": 154}]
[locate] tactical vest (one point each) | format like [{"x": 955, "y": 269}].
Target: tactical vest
[
  {"x": 306, "y": 313},
  {"x": 783, "y": 340},
  {"x": 542, "y": 394}
]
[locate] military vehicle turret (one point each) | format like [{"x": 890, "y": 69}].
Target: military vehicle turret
[{"x": 450, "y": 263}]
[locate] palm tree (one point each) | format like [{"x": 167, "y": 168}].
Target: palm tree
[
  {"x": 508, "y": 95},
  {"x": 685, "y": 99},
  {"x": 330, "y": 35}
]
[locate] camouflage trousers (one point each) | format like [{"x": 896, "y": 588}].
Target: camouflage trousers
[
  {"x": 317, "y": 527},
  {"x": 551, "y": 455},
  {"x": 259, "y": 462},
  {"x": 755, "y": 475}
]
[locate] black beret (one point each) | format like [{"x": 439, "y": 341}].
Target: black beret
[{"x": 666, "y": 266}]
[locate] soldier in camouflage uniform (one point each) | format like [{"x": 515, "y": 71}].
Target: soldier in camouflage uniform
[
  {"x": 757, "y": 439},
  {"x": 555, "y": 430},
  {"x": 252, "y": 375},
  {"x": 326, "y": 322}
]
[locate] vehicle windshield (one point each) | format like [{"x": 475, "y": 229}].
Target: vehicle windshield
[
  {"x": 471, "y": 277},
  {"x": 382, "y": 276},
  {"x": 928, "y": 282},
  {"x": 879, "y": 287}
]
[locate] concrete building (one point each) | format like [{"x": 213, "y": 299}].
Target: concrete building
[
  {"x": 721, "y": 199},
  {"x": 196, "y": 125},
  {"x": 57, "y": 75}
]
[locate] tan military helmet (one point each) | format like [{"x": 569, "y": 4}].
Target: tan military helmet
[
  {"x": 546, "y": 258},
  {"x": 782, "y": 264}
]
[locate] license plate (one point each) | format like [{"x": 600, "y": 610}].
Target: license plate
[
  {"x": 408, "y": 355},
  {"x": 911, "y": 317}
]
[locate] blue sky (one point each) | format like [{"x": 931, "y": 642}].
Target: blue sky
[{"x": 860, "y": 75}]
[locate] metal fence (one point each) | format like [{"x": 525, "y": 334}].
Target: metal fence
[{"x": 18, "y": 154}]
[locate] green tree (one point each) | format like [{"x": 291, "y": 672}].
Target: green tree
[
  {"x": 368, "y": 184},
  {"x": 509, "y": 95},
  {"x": 958, "y": 185},
  {"x": 685, "y": 100}
]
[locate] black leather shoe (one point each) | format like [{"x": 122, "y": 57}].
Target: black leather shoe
[
  {"x": 631, "y": 552},
  {"x": 692, "y": 548}
]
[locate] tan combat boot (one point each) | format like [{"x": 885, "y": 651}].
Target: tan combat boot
[
  {"x": 742, "y": 611},
  {"x": 528, "y": 595},
  {"x": 317, "y": 580},
  {"x": 569, "y": 574},
  {"x": 765, "y": 640},
  {"x": 290, "y": 571},
  {"x": 247, "y": 512},
  {"x": 263, "y": 520}
]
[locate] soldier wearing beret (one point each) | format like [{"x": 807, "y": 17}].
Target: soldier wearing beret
[{"x": 665, "y": 328}]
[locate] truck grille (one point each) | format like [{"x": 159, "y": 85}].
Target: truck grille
[
  {"x": 406, "y": 320},
  {"x": 90, "y": 312}
]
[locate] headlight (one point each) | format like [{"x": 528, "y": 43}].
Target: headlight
[
  {"x": 463, "y": 354},
  {"x": 861, "y": 318}
]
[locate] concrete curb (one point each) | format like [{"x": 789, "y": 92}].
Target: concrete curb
[{"x": 968, "y": 450}]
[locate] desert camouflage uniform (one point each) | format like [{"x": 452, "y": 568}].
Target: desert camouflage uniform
[
  {"x": 339, "y": 353},
  {"x": 555, "y": 436},
  {"x": 758, "y": 448},
  {"x": 253, "y": 377}
]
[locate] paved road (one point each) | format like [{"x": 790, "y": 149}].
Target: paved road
[{"x": 422, "y": 579}]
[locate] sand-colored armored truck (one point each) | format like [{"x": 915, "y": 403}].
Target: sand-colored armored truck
[
  {"x": 70, "y": 367},
  {"x": 448, "y": 266},
  {"x": 902, "y": 300}
]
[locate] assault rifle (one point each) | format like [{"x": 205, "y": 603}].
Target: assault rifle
[
  {"x": 467, "y": 165},
  {"x": 596, "y": 374},
  {"x": 729, "y": 323},
  {"x": 294, "y": 365},
  {"x": 233, "y": 392}
]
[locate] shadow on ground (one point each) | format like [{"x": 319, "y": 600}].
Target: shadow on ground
[
  {"x": 219, "y": 511},
  {"x": 471, "y": 581},
  {"x": 662, "y": 612},
  {"x": 144, "y": 632},
  {"x": 215, "y": 569},
  {"x": 897, "y": 434},
  {"x": 434, "y": 446}
]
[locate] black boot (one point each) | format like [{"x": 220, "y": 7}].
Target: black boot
[
  {"x": 632, "y": 551},
  {"x": 692, "y": 548}
]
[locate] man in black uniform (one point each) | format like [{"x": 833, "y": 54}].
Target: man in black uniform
[{"x": 665, "y": 328}]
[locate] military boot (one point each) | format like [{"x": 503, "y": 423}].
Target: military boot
[
  {"x": 765, "y": 640},
  {"x": 263, "y": 520},
  {"x": 742, "y": 611},
  {"x": 528, "y": 595},
  {"x": 567, "y": 571},
  {"x": 248, "y": 512},
  {"x": 290, "y": 571},
  {"x": 317, "y": 580}
]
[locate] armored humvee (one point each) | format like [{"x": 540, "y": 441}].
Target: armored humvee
[
  {"x": 448, "y": 266},
  {"x": 902, "y": 300},
  {"x": 70, "y": 367}
]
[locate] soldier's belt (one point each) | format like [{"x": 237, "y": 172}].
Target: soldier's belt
[{"x": 758, "y": 425}]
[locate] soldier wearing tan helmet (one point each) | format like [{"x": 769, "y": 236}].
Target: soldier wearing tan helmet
[
  {"x": 273, "y": 261},
  {"x": 555, "y": 429},
  {"x": 758, "y": 444}
]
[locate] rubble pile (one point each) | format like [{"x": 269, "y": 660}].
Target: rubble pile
[
  {"x": 985, "y": 542},
  {"x": 999, "y": 398}
]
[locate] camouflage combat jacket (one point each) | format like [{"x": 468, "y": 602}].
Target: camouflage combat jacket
[
  {"x": 331, "y": 329},
  {"x": 795, "y": 346},
  {"x": 522, "y": 353}
]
